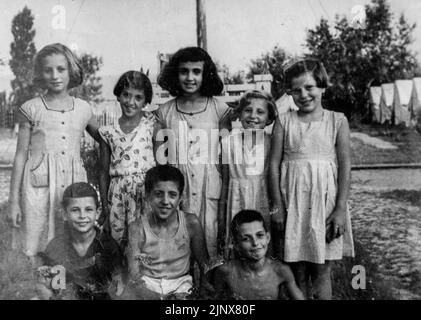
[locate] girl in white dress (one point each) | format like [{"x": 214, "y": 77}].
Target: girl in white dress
[
  {"x": 309, "y": 179},
  {"x": 47, "y": 157},
  {"x": 245, "y": 161}
]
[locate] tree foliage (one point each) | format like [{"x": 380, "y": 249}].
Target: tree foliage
[
  {"x": 230, "y": 78},
  {"x": 271, "y": 62},
  {"x": 90, "y": 89},
  {"x": 22, "y": 51},
  {"x": 356, "y": 58}
]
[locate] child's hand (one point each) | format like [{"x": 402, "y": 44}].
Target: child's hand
[
  {"x": 277, "y": 218},
  {"x": 14, "y": 215},
  {"x": 117, "y": 286},
  {"x": 335, "y": 224},
  {"x": 104, "y": 222},
  {"x": 43, "y": 286}
]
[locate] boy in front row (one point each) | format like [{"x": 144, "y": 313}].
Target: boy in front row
[
  {"x": 90, "y": 258},
  {"x": 163, "y": 242},
  {"x": 253, "y": 276}
]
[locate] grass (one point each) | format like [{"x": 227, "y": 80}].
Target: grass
[
  {"x": 376, "y": 287},
  {"x": 407, "y": 140},
  {"x": 16, "y": 274}
]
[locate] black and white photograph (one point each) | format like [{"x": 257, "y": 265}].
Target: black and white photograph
[{"x": 224, "y": 151}]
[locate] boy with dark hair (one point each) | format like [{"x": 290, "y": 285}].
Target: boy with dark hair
[
  {"x": 253, "y": 275},
  {"x": 89, "y": 257},
  {"x": 163, "y": 241}
]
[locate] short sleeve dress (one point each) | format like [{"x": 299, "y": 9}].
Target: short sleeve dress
[
  {"x": 53, "y": 164},
  {"x": 131, "y": 156},
  {"x": 309, "y": 175},
  {"x": 248, "y": 169},
  {"x": 194, "y": 148}
]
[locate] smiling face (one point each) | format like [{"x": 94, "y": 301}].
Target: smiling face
[
  {"x": 164, "y": 199},
  {"x": 255, "y": 115},
  {"x": 190, "y": 77},
  {"x": 252, "y": 240},
  {"x": 55, "y": 73},
  {"x": 81, "y": 214},
  {"x": 132, "y": 101},
  {"x": 307, "y": 96}
]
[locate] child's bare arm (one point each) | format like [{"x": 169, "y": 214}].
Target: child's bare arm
[
  {"x": 222, "y": 205},
  {"x": 275, "y": 159},
  {"x": 14, "y": 214},
  {"x": 104, "y": 179},
  {"x": 279, "y": 213},
  {"x": 197, "y": 241},
  {"x": 158, "y": 138},
  {"x": 198, "y": 247},
  {"x": 220, "y": 280},
  {"x": 285, "y": 273},
  {"x": 92, "y": 129},
  {"x": 343, "y": 153},
  {"x": 133, "y": 248}
]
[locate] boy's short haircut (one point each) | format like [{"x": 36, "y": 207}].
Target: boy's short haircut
[
  {"x": 163, "y": 173},
  {"x": 135, "y": 80},
  {"x": 79, "y": 190},
  {"x": 245, "y": 216},
  {"x": 246, "y": 98},
  {"x": 308, "y": 65}
]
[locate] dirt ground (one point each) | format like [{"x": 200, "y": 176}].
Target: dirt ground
[
  {"x": 386, "y": 216},
  {"x": 403, "y": 179}
]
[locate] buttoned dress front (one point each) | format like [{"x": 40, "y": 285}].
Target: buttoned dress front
[
  {"x": 194, "y": 148},
  {"x": 53, "y": 163}
]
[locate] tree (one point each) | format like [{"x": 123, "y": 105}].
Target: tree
[
  {"x": 271, "y": 62},
  {"x": 357, "y": 58},
  {"x": 229, "y": 78},
  {"x": 90, "y": 89},
  {"x": 22, "y": 51}
]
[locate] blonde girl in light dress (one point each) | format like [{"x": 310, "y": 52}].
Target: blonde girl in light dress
[
  {"x": 245, "y": 162},
  {"x": 48, "y": 158}
]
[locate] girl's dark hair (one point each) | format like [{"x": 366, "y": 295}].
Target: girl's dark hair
[
  {"x": 168, "y": 79},
  {"x": 245, "y": 216},
  {"x": 73, "y": 63},
  {"x": 136, "y": 80},
  {"x": 308, "y": 65},
  {"x": 79, "y": 190},
  {"x": 163, "y": 173},
  {"x": 246, "y": 98}
]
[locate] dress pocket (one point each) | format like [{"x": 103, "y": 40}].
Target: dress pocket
[{"x": 39, "y": 173}]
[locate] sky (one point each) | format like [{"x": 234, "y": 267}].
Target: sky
[{"x": 128, "y": 34}]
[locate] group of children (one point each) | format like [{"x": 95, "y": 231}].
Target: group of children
[{"x": 180, "y": 188}]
